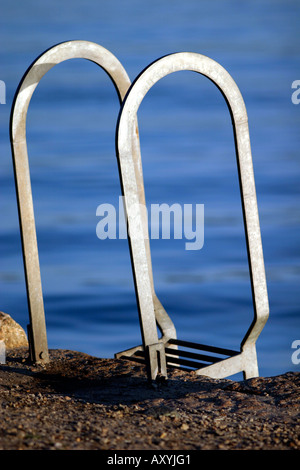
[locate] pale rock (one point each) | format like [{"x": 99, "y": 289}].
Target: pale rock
[{"x": 11, "y": 333}]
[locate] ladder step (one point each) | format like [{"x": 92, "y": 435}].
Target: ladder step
[
  {"x": 176, "y": 358},
  {"x": 204, "y": 347},
  {"x": 185, "y": 362},
  {"x": 192, "y": 355}
]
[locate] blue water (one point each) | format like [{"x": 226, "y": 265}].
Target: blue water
[{"x": 188, "y": 157}]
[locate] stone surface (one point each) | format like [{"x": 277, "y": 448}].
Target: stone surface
[
  {"x": 11, "y": 332},
  {"x": 79, "y": 402}
]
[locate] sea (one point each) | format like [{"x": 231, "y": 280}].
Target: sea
[{"x": 188, "y": 158}]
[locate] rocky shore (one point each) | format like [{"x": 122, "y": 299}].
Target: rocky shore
[{"x": 79, "y": 402}]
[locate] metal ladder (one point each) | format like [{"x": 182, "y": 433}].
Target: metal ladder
[{"x": 159, "y": 355}]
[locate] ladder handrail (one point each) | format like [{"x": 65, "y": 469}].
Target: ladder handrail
[
  {"x": 223, "y": 80},
  {"x": 48, "y": 59}
]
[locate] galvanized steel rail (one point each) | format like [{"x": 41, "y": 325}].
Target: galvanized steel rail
[
  {"x": 61, "y": 52},
  {"x": 244, "y": 360}
]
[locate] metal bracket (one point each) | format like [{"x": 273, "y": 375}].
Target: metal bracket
[
  {"x": 222, "y": 362},
  {"x": 157, "y": 360}
]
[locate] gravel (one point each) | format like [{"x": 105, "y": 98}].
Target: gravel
[{"x": 79, "y": 402}]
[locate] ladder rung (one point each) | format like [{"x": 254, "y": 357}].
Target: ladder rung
[
  {"x": 177, "y": 357},
  {"x": 203, "y": 347},
  {"x": 192, "y": 355},
  {"x": 139, "y": 356},
  {"x": 184, "y": 362}
]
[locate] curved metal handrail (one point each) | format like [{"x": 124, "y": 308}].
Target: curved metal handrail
[
  {"x": 53, "y": 56},
  {"x": 222, "y": 79}
]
